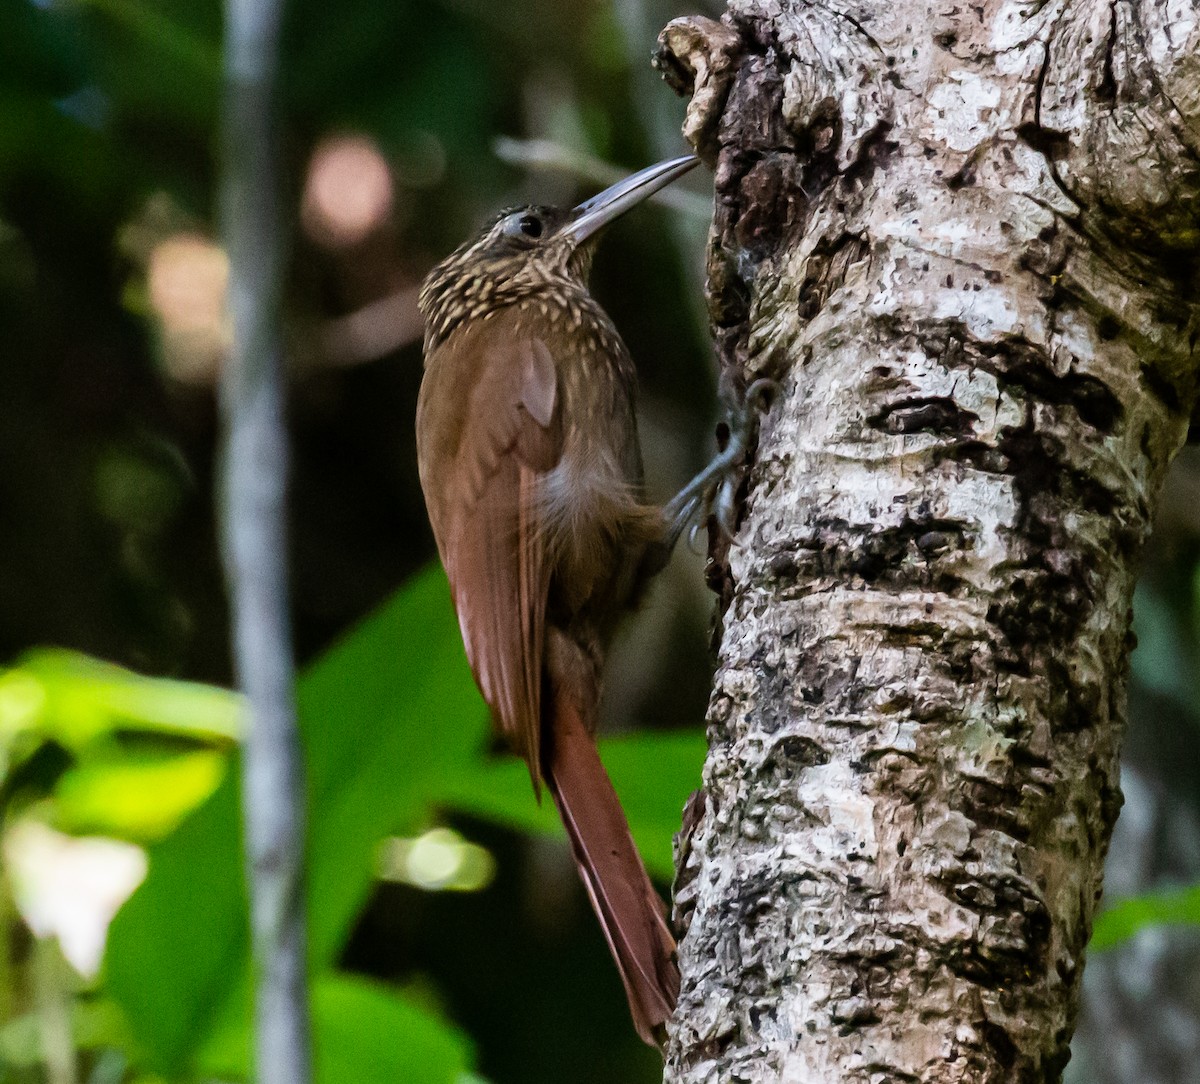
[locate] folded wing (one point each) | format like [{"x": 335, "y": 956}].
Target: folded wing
[{"x": 490, "y": 425}]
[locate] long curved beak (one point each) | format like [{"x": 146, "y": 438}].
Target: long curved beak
[{"x": 600, "y": 210}]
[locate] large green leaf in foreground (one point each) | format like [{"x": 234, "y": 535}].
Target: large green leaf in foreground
[
  {"x": 393, "y": 727},
  {"x": 363, "y": 1032},
  {"x": 383, "y": 713}
]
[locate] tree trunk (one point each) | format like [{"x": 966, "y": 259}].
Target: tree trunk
[{"x": 963, "y": 240}]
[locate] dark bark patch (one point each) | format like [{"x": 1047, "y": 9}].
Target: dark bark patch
[
  {"x": 900, "y": 556},
  {"x": 821, "y": 136},
  {"x": 966, "y": 174},
  {"x": 1111, "y": 800},
  {"x": 826, "y": 268},
  {"x": 932, "y": 414},
  {"x": 1026, "y": 367},
  {"x": 1009, "y": 948},
  {"x": 874, "y": 150},
  {"x": 1050, "y": 142},
  {"x": 1052, "y": 594},
  {"x": 772, "y": 200},
  {"x": 1038, "y": 461},
  {"x": 1054, "y": 1065},
  {"x": 1162, "y": 388},
  {"x": 752, "y": 123},
  {"x": 1017, "y": 363},
  {"x": 1106, "y": 90},
  {"x": 774, "y": 697},
  {"x": 1004, "y": 1051},
  {"x": 794, "y": 753},
  {"x": 784, "y": 567},
  {"x": 816, "y": 682},
  {"x": 729, "y": 293},
  {"x": 965, "y": 662},
  {"x": 973, "y": 453},
  {"x": 990, "y": 807},
  {"x": 936, "y": 542},
  {"x": 757, "y": 176},
  {"x": 1080, "y": 706},
  {"x": 1035, "y": 616},
  {"x": 852, "y": 1014}
]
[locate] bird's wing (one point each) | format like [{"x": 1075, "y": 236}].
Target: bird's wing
[{"x": 489, "y": 424}]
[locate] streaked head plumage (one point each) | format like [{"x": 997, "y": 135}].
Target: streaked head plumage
[
  {"x": 523, "y": 251},
  {"x": 530, "y": 250}
]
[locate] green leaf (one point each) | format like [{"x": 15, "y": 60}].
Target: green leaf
[
  {"x": 654, "y": 775},
  {"x": 38, "y": 139},
  {"x": 139, "y": 798},
  {"x": 76, "y": 699},
  {"x": 178, "y": 946},
  {"x": 1170, "y": 907},
  {"x": 96, "y": 1024},
  {"x": 363, "y": 1032},
  {"x": 162, "y": 31},
  {"x": 367, "y": 1033},
  {"x": 41, "y": 50},
  {"x": 385, "y": 715},
  {"x": 159, "y": 57},
  {"x": 21, "y": 1042}
]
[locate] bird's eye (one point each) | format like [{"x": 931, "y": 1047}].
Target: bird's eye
[{"x": 524, "y": 224}]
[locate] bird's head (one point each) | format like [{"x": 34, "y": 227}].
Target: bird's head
[{"x": 530, "y": 249}]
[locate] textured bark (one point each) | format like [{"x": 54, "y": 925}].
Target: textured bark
[{"x": 963, "y": 239}]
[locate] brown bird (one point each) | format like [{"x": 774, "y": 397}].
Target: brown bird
[{"x": 532, "y": 472}]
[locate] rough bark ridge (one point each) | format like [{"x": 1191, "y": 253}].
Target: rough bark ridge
[{"x": 964, "y": 240}]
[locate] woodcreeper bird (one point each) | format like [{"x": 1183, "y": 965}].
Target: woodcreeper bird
[{"x": 531, "y": 467}]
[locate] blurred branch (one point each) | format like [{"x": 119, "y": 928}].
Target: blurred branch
[
  {"x": 7, "y": 912},
  {"x": 548, "y": 155},
  {"x": 374, "y": 330},
  {"x": 661, "y": 115},
  {"x": 254, "y": 477},
  {"x": 54, "y": 1012}
]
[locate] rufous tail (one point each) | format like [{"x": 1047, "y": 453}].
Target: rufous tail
[{"x": 630, "y": 911}]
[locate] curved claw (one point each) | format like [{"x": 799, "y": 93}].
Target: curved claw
[
  {"x": 761, "y": 393},
  {"x": 712, "y": 491},
  {"x": 742, "y": 423},
  {"x": 724, "y": 508},
  {"x": 741, "y": 419}
]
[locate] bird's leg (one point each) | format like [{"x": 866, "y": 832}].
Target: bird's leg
[{"x": 712, "y": 490}]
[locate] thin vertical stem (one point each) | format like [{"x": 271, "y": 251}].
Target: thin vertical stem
[
  {"x": 54, "y": 1012},
  {"x": 7, "y": 971},
  {"x": 254, "y": 487}
]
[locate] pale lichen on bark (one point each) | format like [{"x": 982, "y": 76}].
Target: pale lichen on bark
[{"x": 963, "y": 239}]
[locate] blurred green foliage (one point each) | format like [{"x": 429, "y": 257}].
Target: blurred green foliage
[
  {"x": 107, "y": 153},
  {"x": 1121, "y": 921},
  {"x": 394, "y": 731}
]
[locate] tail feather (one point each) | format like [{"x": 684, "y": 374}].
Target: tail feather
[{"x": 630, "y": 911}]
